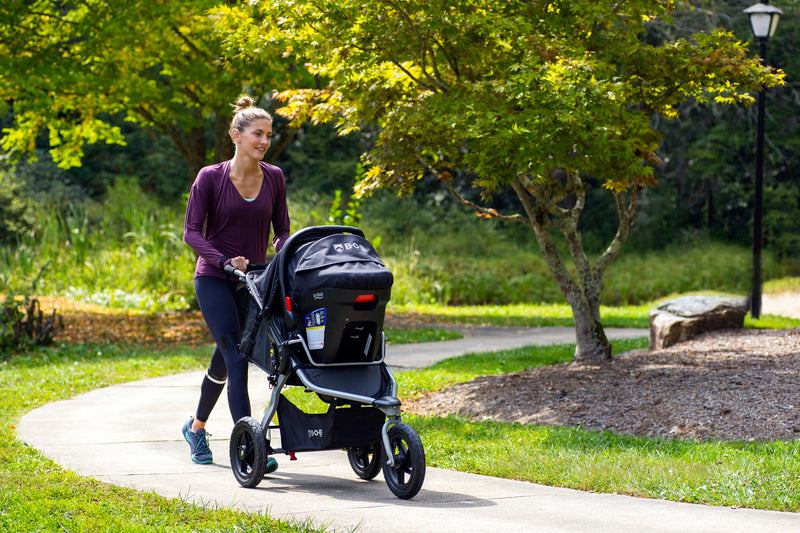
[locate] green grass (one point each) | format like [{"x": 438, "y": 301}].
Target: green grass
[
  {"x": 787, "y": 284},
  {"x": 523, "y": 315},
  {"x": 546, "y": 315},
  {"x": 38, "y": 495},
  {"x": 409, "y": 335},
  {"x": 738, "y": 474},
  {"x": 472, "y": 365}
]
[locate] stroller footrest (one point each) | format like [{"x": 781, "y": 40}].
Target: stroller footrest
[{"x": 386, "y": 402}]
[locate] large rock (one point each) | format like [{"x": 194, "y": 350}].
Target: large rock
[{"x": 687, "y": 317}]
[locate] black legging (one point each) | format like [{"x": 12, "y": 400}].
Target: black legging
[{"x": 222, "y": 304}]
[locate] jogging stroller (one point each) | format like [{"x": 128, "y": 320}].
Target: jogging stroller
[{"x": 315, "y": 320}]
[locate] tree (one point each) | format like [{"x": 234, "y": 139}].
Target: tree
[
  {"x": 66, "y": 65},
  {"x": 710, "y": 150},
  {"x": 528, "y": 96}
]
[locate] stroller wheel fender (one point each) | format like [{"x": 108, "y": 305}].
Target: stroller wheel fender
[{"x": 248, "y": 452}]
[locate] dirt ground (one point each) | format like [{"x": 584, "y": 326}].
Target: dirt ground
[{"x": 730, "y": 385}]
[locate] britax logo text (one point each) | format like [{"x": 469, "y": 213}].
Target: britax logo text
[{"x": 340, "y": 247}]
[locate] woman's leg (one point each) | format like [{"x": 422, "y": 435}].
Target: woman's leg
[
  {"x": 219, "y": 308},
  {"x": 210, "y": 389}
]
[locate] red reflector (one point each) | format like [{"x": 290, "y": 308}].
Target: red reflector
[
  {"x": 288, "y": 304},
  {"x": 363, "y": 298}
]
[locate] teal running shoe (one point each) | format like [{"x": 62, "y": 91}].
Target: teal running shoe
[{"x": 198, "y": 444}]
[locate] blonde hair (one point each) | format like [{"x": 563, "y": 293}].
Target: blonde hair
[{"x": 245, "y": 113}]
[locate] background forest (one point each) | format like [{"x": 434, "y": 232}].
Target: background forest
[{"x": 110, "y": 229}]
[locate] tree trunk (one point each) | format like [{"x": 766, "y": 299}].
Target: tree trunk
[
  {"x": 592, "y": 345},
  {"x": 582, "y": 291},
  {"x": 193, "y": 150},
  {"x": 223, "y": 145},
  {"x": 544, "y": 214}
]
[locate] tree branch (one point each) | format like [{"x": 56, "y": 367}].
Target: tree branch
[
  {"x": 480, "y": 210},
  {"x": 539, "y": 220},
  {"x": 626, "y": 214},
  {"x": 190, "y": 44}
]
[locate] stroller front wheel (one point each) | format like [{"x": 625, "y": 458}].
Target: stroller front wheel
[
  {"x": 405, "y": 477},
  {"x": 248, "y": 451}
]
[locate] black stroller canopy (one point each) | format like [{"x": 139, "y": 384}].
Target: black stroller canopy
[
  {"x": 342, "y": 260},
  {"x": 338, "y": 261}
]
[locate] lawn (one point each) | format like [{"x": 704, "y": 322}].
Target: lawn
[{"x": 36, "y": 494}]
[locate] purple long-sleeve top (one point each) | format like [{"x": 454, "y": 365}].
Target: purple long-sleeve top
[{"x": 220, "y": 223}]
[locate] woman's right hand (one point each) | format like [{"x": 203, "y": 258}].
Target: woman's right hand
[{"x": 240, "y": 263}]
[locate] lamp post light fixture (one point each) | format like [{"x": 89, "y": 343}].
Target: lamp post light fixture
[{"x": 763, "y": 21}]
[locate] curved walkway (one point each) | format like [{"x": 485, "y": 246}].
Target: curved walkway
[{"x": 129, "y": 435}]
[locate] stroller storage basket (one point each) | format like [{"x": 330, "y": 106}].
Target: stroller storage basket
[{"x": 339, "y": 427}]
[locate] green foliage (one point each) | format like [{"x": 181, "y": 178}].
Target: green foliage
[
  {"x": 341, "y": 212},
  {"x": 13, "y": 220},
  {"x": 529, "y": 98},
  {"x": 320, "y": 161},
  {"x": 128, "y": 252},
  {"x": 68, "y": 67},
  {"x": 127, "y": 209},
  {"x": 706, "y": 183}
]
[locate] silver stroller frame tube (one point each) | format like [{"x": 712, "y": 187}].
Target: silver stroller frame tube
[{"x": 391, "y": 409}]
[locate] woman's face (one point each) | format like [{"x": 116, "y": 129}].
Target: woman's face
[{"x": 255, "y": 140}]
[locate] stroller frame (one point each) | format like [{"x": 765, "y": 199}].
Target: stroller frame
[{"x": 398, "y": 451}]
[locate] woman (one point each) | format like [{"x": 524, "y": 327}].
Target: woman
[{"x": 231, "y": 206}]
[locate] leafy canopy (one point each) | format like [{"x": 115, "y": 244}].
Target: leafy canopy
[
  {"x": 526, "y": 96},
  {"x": 66, "y": 65},
  {"x": 505, "y": 88}
]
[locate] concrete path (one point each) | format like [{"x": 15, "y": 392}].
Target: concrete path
[{"x": 129, "y": 435}]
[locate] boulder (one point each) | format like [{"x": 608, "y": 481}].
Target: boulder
[{"x": 687, "y": 317}]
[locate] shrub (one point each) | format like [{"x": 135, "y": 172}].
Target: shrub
[{"x": 23, "y": 324}]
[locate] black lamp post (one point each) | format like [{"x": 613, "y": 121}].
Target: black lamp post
[{"x": 763, "y": 22}]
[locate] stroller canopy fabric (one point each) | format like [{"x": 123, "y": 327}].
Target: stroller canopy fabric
[{"x": 342, "y": 260}]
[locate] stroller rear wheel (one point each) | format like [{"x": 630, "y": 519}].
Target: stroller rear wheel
[
  {"x": 405, "y": 477},
  {"x": 365, "y": 460},
  {"x": 249, "y": 452}
]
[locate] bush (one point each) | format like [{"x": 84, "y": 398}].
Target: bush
[{"x": 23, "y": 324}]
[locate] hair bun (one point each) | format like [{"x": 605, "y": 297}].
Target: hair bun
[
  {"x": 243, "y": 103},
  {"x": 245, "y": 112}
]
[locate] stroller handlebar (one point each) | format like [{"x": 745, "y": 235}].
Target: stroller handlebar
[{"x": 233, "y": 271}]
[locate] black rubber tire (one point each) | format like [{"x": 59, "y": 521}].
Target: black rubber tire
[
  {"x": 406, "y": 476},
  {"x": 249, "y": 452},
  {"x": 366, "y": 460}
]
